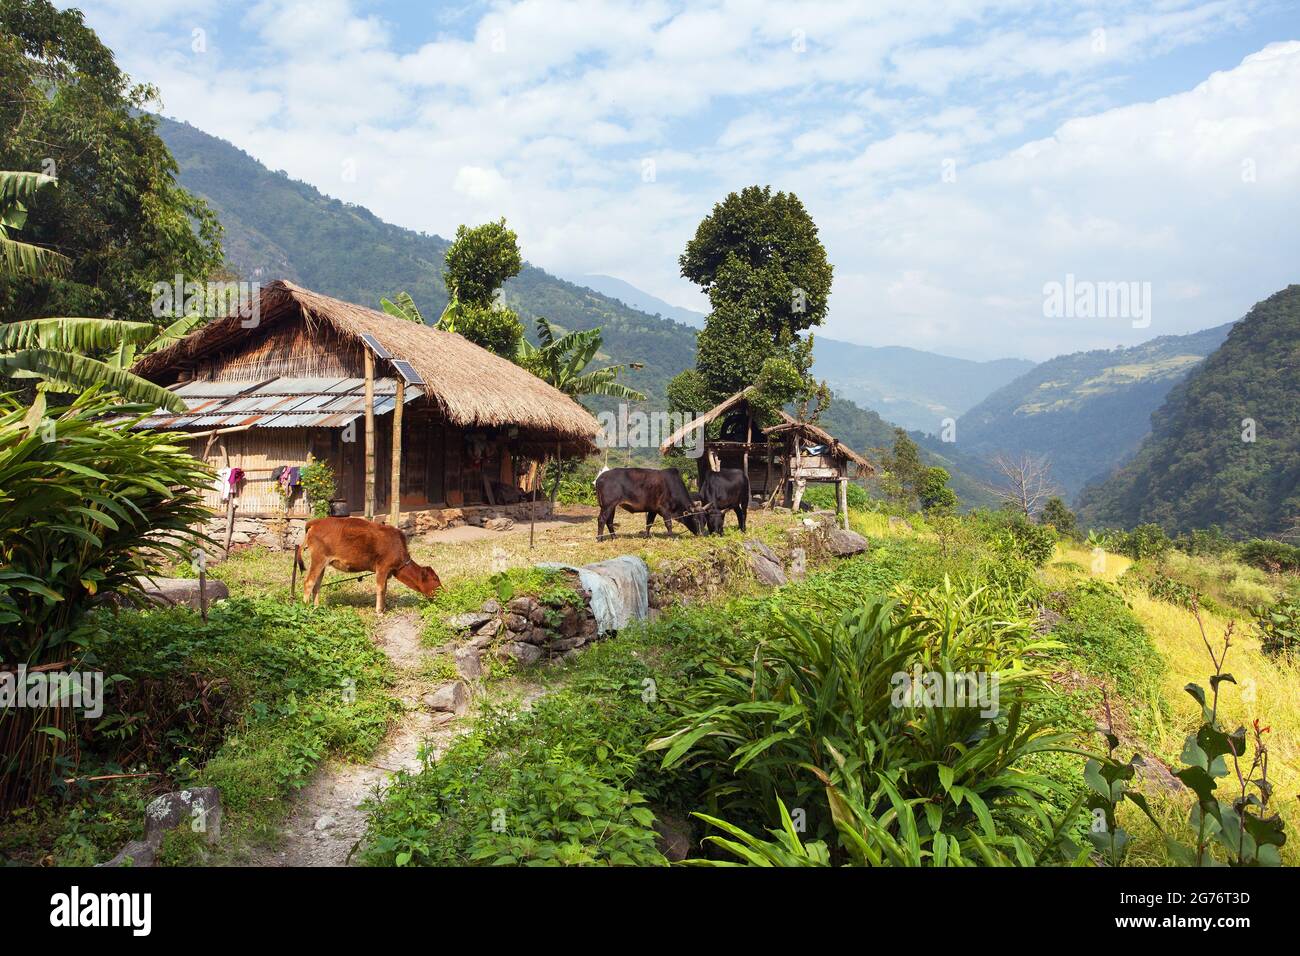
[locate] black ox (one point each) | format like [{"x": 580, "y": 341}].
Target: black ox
[
  {"x": 650, "y": 490},
  {"x": 726, "y": 489}
]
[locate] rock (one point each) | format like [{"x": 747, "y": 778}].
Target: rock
[
  {"x": 516, "y": 623},
  {"x": 324, "y": 822},
  {"x": 483, "y": 638},
  {"x": 570, "y": 621},
  {"x": 184, "y": 591},
  {"x": 535, "y": 635},
  {"x": 566, "y": 644},
  {"x": 538, "y": 616},
  {"x": 199, "y": 809},
  {"x": 798, "y": 563},
  {"x": 522, "y": 605},
  {"x": 499, "y": 524},
  {"x": 469, "y": 663},
  {"x": 449, "y": 698},
  {"x": 672, "y": 836},
  {"x": 468, "y": 621},
  {"x": 135, "y": 853},
  {"x": 491, "y": 606},
  {"x": 519, "y": 651},
  {"x": 843, "y": 543},
  {"x": 763, "y": 562}
]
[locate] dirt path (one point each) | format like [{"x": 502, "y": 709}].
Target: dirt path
[{"x": 326, "y": 821}]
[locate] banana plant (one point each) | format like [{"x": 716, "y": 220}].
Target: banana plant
[
  {"x": 52, "y": 350},
  {"x": 563, "y": 362},
  {"x": 405, "y": 308},
  {"x": 22, "y": 259}
]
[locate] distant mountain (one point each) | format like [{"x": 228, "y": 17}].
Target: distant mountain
[
  {"x": 1088, "y": 411},
  {"x": 276, "y": 227},
  {"x": 914, "y": 388},
  {"x": 629, "y": 294},
  {"x": 1199, "y": 467}
]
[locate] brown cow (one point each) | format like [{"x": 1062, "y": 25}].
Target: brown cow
[{"x": 355, "y": 544}]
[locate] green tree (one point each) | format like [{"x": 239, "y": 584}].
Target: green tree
[
  {"x": 933, "y": 491},
  {"x": 1059, "y": 516},
  {"x": 54, "y": 350},
  {"x": 118, "y": 219},
  {"x": 904, "y": 475},
  {"x": 479, "y": 261},
  {"x": 758, "y": 258}
]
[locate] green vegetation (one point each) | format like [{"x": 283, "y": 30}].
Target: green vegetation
[
  {"x": 118, "y": 217},
  {"x": 319, "y": 486},
  {"x": 1225, "y": 446},
  {"x": 249, "y": 701}
]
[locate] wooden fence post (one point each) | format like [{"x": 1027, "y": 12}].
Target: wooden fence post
[{"x": 370, "y": 434}]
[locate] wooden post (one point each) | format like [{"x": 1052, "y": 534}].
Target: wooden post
[
  {"x": 749, "y": 437},
  {"x": 395, "y": 509},
  {"x": 767, "y": 482},
  {"x": 842, "y": 503},
  {"x": 230, "y": 523},
  {"x": 370, "y": 434}
]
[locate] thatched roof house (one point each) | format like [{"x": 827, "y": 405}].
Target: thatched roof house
[{"x": 266, "y": 389}]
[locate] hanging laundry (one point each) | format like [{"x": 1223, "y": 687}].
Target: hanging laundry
[{"x": 222, "y": 483}]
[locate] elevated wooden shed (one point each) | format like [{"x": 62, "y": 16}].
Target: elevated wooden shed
[
  {"x": 408, "y": 417},
  {"x": 780, "y": 458}
]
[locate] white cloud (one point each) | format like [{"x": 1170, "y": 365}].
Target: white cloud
[{"x": 545, "y": 111}]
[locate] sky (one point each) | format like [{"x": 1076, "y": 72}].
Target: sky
[{"x": 966, "y": 162}]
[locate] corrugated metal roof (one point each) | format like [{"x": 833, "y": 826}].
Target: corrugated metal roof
[{"x": 278, "y": 403}]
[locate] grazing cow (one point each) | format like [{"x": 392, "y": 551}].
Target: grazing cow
[
  {"x": 355, "y": 544},
  {"x": 655, "y": 491},
  {"x": 726, "y": 489}
]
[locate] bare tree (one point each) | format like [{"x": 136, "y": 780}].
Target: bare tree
[{"x": 1026, "y": 482}]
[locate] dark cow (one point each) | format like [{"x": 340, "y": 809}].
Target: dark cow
[
  {"x": 726, "y": 489},
  {"x": 651, "y": 490},
  {"x": 355, "y": 544}
]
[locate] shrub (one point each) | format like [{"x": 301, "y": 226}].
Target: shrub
[
  {"x": 1279, "y": 627},
  {"x": 1144, "y": 541},
  {"x": 1012, "y": 535},
  {"x": 87, "y": 506},
  {"x": 822, "y": 495},
  {"x": 813, "y": 718},
  {"x": 1272, "y": 556},
  {"x": 319, "y": 486},
  {"x": 1059, "y": 517}
]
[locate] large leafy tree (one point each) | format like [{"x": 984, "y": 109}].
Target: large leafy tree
[
  {"x": 57, "y": 350},
  {"x": 758, "y": 258},
  {"x": 479, "y": 261},
  {"x": 119, "y": 220}
]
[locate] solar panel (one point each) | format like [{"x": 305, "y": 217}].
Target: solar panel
[
  {"x": 379, "y": 350},
  {"x": 408, "y": 372}
]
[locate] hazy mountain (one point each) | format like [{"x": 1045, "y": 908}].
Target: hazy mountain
[
  {"x": 1224, "y": 448},
  {"x": 1087, "y": 411},
  {"x": 916, "y": 389}
]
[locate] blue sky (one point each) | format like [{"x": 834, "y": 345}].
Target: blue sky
[{"x": 956, "y": 156}]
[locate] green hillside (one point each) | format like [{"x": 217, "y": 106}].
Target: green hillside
[
  {"x": 1088, "y": 411},
  {"x": 1196, "y": 469}
]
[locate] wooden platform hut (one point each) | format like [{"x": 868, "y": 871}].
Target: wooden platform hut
[
  {"x": 780, "y": 458},
  {"x": 408, "y": 417}
]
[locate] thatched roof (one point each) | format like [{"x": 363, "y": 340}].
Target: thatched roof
[
  {"x": 788, "y": 423},
  {"x": 471, "y": 386}
]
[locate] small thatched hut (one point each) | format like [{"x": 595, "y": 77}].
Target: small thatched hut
[
  {"x": 782, "y": 457},
  {"x": 292, "y": 378}
]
